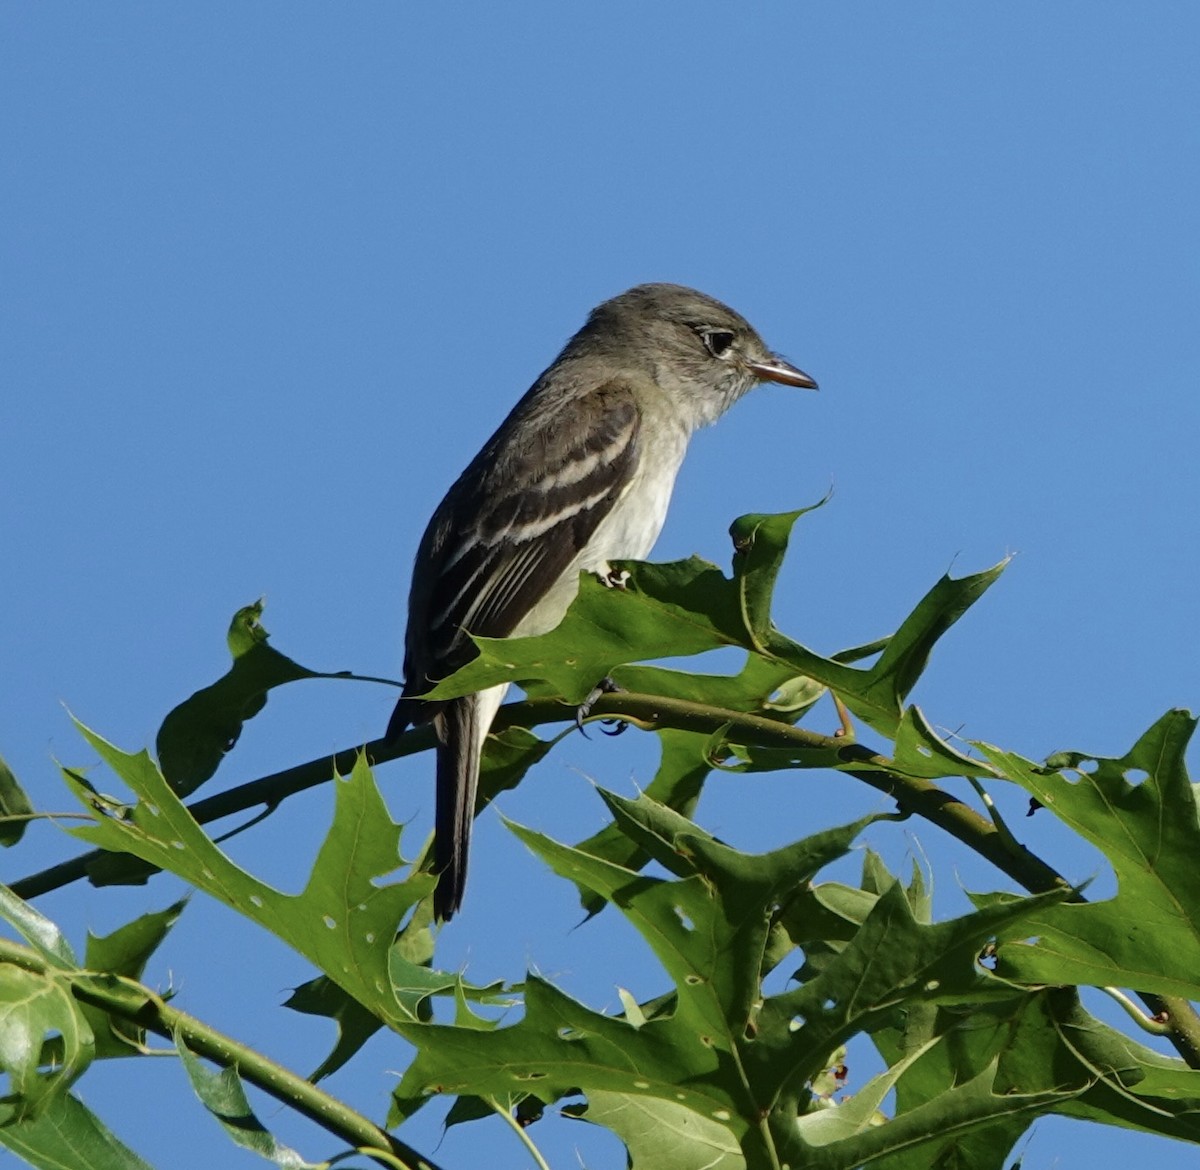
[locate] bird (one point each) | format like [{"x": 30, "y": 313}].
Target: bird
[{"x": 579, "y": 474}]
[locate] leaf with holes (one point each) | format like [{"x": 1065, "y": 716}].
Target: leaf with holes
[
  {"x": 344, "y": 920},
  {"x": 1039, "y": 1043},
  {"x": 716, "y": 1050},
  {"x": 46, "y": 1041},
  {"x": 689, "y": 607},
  {"x": 1140, "y": 810},
  {"x": 661, "y": 1134}
]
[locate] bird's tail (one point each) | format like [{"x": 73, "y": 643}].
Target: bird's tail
[{"x": 461, "y": 731}]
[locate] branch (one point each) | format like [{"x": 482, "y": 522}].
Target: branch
[
  {"x": 913, "y": 795},
  {"x": 129, "y": 1000},
  {"x": 268, "y": 791}
]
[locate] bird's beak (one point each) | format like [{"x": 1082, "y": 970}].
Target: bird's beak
[{"x": 775, "y": 369}]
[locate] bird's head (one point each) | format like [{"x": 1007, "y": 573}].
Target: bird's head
[{"x": 695, "y": 348}]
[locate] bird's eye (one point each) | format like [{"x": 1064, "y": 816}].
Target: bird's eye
[{"x": 717, "y": 342}]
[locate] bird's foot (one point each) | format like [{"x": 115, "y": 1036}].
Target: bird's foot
[
  {"x": 605, "y": 686},
  {"x": 615, "y": 579}
]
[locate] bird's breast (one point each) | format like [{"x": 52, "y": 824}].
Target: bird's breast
[{"x": 627, "y": 533}]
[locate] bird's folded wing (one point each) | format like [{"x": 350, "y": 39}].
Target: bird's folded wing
[{"x": 515, "y": 522}]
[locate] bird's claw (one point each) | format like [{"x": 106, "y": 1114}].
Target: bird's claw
[
  {"x": 605, "y": 686},
  {"x": 615, "y": 579}
]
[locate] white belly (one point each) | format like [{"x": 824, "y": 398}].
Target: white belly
[{"x": 627, "y": 533}]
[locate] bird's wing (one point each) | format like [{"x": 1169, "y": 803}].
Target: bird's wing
[{"x": 514, "y": 522}]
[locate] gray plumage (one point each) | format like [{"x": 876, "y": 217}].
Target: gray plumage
[{"x": 578, "y": 474}]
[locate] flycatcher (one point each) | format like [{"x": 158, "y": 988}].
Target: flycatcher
[{"x": 578, "y": 474}]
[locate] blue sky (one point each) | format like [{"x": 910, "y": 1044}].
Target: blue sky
[{"x": 271, "y": 273}]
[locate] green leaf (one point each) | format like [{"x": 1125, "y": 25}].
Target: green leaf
[
  {"x": 196, "y": 736},
  {"x": 126, "y": 950},
  {"x": 682, "y": 770},
  {"x": 66, "y": 1135},
  {"x": 862, "y": 1111},
  {"x": 34, "y": 1007},
  {"x": 722, "y": 960},
  {"x": 507, "y": 756},
  {"x": 13, "y": 803},
  {"x": 561, "y": 1044},
  {"x": 1039, "y": 1043},
  {"x": 921, "y": 752},
  {"x": 923, "y": 1136},
  {"x": 344, "y": 920},
  {"x": 37, "y": 930},
  {"x": 890, "y": 961},
  {"x": 796, "y": 695},
  {"x": 679, "y": 609},
  {"x": 661, "y": 1135},
  {"x": 355, "y": 1024},
  {"x": 760, "y": 543},
  {"x": 690, "y": 607},
  {"x": 712, "y": 947},
  {"x": 876, "y": 695},
  {"x": 125, "y": 953},
  {"x": 1131, "y": 1085},
  {"x": 221, "y": 1093},
  {"x": 1140, "y": 810},
  {"x": 955, "y": 1044},
  {"x": 717, "y": 1048},
  {"x": 686, "y": 759},
  {"x": 907, "y": 652},
  {"x": 752, "y": 689}
]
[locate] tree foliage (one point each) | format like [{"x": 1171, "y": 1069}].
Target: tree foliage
[{"x": 770, "y": 967}]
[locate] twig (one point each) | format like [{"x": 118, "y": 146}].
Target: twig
[{"x": 129, "y": 1000}]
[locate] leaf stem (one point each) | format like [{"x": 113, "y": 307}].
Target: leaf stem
[
  {"x": 519, "y": 1130},
  {"x": 1147, "y": 1023}
]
